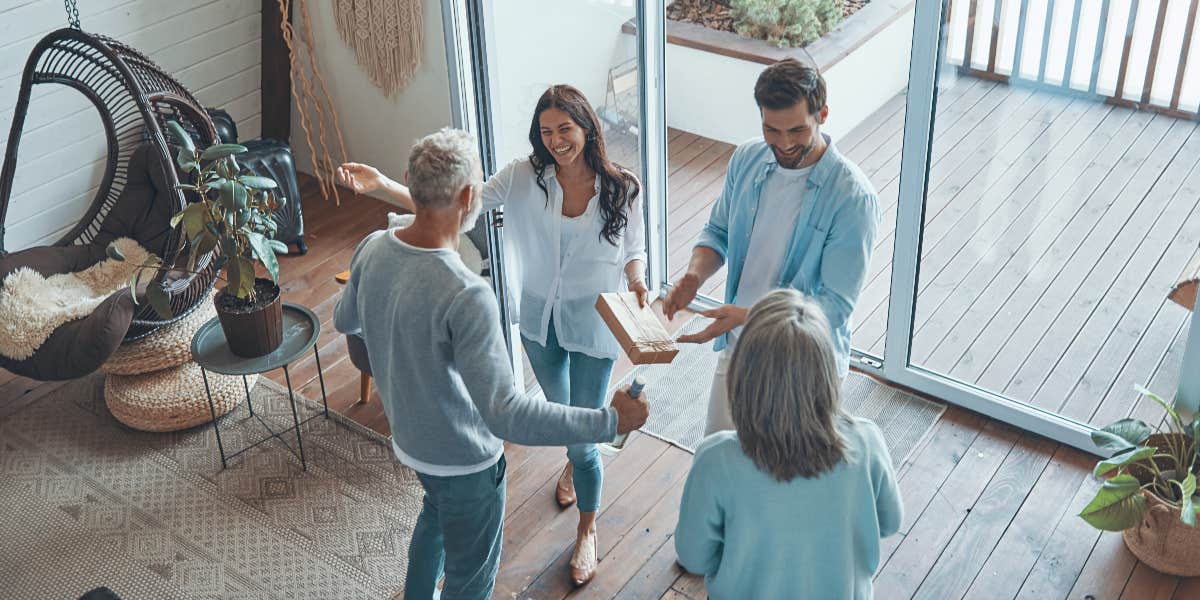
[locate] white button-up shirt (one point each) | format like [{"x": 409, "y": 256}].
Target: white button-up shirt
[{"x": 561, "y": 276}]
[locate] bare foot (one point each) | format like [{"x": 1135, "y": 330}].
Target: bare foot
[
  {"x": 584, "y": 559},
  {"x": 564, "y": 492}
]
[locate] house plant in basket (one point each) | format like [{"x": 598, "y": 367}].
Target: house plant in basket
[
  {"x": 1149, "y": 489},
  {"x": 232, "y": 215}
]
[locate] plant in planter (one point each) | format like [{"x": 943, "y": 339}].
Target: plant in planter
[
  {"x": 233, "y": 216},
  {"x": 1149, "y": 490},
  {"x": 786, "y": 22}
]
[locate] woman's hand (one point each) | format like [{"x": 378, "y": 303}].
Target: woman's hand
[
  {"x": 637, "y": 286},
  {"x": 363, "y": 179}
]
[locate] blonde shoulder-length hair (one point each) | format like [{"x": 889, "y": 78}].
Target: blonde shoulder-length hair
[{"x": 784, "y": 389}]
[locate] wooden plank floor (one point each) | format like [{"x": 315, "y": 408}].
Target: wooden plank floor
[
  {"x": 989, "y": 510},
  {"x": 1054, "y": 228}
]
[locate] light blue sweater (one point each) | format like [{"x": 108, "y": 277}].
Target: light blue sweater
[
  {"x": 752, "y": 536},
  {"x": 432, "y": 330}
]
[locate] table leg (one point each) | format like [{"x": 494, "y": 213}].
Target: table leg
[
  {"x": 213, "y": 409},
  {"x": 321, "y": 377},
  {"x": 295, "y": 419},
  {"x": 250, "y": 404}
]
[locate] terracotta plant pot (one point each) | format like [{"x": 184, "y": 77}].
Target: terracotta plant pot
[{"x": 256, "y": 332}]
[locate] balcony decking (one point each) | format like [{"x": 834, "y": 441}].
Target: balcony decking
[{"x": 1054, "y": 228}]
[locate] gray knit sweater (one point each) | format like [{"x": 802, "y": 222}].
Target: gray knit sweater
[{"x": 432, "y": 331}]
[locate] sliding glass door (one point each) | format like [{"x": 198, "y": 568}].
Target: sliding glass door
[
  {"x": 1046, "y": 208},
  {"x": 510, "y": 53},
  {"x": 1035, "y": 162}
]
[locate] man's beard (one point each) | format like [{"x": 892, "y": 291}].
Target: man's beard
[{"x": 792, "y": 163}]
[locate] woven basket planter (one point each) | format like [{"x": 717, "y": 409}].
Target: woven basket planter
[
  {"x": 1163, "y": 542},
  {"x": 171, "y": 399},
  {"x": 168, "y": 347}
]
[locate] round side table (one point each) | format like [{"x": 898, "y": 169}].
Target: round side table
[{"x": 210, "y": 350}]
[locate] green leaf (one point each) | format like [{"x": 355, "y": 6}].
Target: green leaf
[
  {"x": 233, "y": 195},
  {"x": 157, "y": 296},
  {"x": 1163, "y": 403},
  {"x": 186, "y": 159},
  {"x": 221, "y": 151},
  {"x": 220, "y": 262},
  {"x": 278, "y": 246},
  {"x": 262, "y": 249},
  {"x": 114, "y": 253},
  {"x": 1122, "y": 435},
  {"x": 245, "y": 276},
  {"x": 1187, "y": 511},
  {"x": 181, "y": 136},
  {"x": 258, "y": 183},
  {"x": 242, "y": 217},
  {"x": 1122, "y": 459},
  {"x": 194, "y": 217},
  {"x": 1118, "y": 505}
]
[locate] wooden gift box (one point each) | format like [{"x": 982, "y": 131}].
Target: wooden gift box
[{"x": 638, "y": 330}]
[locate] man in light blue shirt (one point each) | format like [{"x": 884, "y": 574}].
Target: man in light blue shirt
[{"x": 793, "y": 213}]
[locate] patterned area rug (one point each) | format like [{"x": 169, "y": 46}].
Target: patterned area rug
[
  {"x": 88, "y": 502},
  {"x": 679, "y": 400}
]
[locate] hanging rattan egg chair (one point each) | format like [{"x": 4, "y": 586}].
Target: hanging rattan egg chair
[{"x": 136, "y": 198}]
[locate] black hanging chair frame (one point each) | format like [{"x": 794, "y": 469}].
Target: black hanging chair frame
[{"x": 135, "y": 99}]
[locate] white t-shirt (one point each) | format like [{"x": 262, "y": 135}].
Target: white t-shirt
[{"x": 775, "y": 222}]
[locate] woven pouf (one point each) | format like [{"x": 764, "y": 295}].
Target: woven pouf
[
  {"x": 171, "y": 399},
  {"x": 168, "y": 347}
]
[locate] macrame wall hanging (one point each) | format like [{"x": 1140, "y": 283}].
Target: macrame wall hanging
[
  {"x": 385, "y": 36},
  {"x": 308, "y": 102}
]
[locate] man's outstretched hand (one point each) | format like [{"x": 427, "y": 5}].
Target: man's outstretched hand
[
  {"x": 363, "y": 179},
  {"x": 725, "y": 319}
]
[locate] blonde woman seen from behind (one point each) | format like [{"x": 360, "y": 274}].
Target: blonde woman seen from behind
[{"x": 793, "y": 503}]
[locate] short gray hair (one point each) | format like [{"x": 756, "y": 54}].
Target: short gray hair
[
  {"x": 441, "y": 164},
  {"x": 784, "y": 388}
]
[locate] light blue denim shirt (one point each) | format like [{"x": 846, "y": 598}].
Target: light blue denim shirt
[{"x": 830, "y": 249}]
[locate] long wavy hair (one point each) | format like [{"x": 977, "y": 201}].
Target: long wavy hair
[
  {"x": 784, "y": 390},
  {"x": 618, "y": 187}
]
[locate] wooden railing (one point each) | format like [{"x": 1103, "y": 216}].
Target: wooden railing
[{"x": 1130, "y": 52}]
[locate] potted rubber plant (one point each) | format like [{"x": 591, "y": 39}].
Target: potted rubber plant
[
  {"x": 231, "y": 215},
  {"x": 1149, "y": 489}
]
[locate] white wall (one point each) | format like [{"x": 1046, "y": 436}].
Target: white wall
[
  {"x": 377, "y": 130},
  {"x": 712, "y": 95},
  {"x": 539, "y": 43},
  {"x": 212, "y": 47}
]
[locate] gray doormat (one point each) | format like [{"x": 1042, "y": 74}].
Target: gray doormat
[
  {"x": 89, "y": 502},
  {"x": 679, "y": 400}
]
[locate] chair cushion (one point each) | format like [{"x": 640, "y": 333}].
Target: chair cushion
[
  {"x": 147, "y": 203},
  {"x": 79, "y": 347},
  {"x": 33, "y": 306}
]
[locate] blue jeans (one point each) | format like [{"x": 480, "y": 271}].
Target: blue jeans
[
  {"x": 458, "y": 533},
  {"x": 574, "y": 379}
]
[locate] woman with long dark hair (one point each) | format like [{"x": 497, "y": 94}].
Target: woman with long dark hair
[{"x": 573, "y": 220}]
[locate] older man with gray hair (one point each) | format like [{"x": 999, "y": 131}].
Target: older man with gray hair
[{"x": 432, "y": 329}]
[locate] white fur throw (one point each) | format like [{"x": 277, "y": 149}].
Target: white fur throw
[
  {"x": 470, "y": 255},
  {"x": 33, "y": 306}
]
